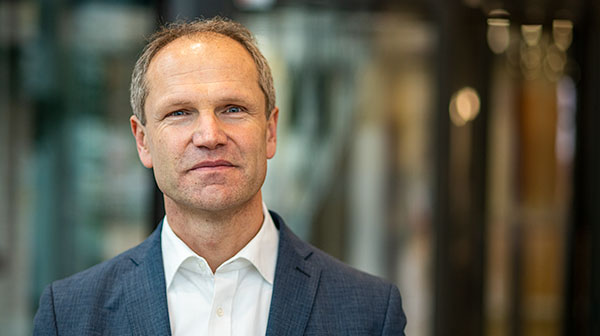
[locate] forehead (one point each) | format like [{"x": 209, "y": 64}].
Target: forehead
[
  {"x": 202, "y": 52},
  {"x": 201, "y": 67}
]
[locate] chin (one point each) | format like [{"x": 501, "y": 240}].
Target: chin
[
  {"x": 216, "y": 203},
  {"x": 213, "y": 198}
]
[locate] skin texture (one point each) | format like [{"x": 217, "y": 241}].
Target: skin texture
[{"x": 208, "y": 139}]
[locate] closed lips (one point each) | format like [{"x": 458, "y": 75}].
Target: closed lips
[{"x": 213, "y": 164}]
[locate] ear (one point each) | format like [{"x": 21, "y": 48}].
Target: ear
[
  {"x": 141, "y": 141},
  {"x": 272, "y": 132}
]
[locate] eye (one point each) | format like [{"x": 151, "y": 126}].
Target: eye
[
  {"x": 233, "y": 109},
  {"x": 177, "y": 113}
]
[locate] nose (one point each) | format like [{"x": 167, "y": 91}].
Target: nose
[{"x": 208, "y": 132}]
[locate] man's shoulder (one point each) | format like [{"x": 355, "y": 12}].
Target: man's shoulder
[
  {"x": 90, "y": 301},
  {"x": 346, "y": 278},
  {"x": 332, "y": 269},
  {"x": 105, "y": 273},
  {"x": 106, "y": 269},
  {"x": 342, "y": 299}
]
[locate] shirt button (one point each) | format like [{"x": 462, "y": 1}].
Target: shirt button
[{"x": 220, "y": 312}]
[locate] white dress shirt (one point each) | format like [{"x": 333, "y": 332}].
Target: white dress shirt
[{"x": 235, "y": 300}]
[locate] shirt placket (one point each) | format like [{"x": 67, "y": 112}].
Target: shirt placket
[{"x": 224, "y": 292}]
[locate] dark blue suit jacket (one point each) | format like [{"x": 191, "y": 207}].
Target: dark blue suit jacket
[{"x": 313, "y": 294}]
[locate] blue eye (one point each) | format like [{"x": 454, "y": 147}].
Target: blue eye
[
  {"x": 233, "y": 109},
  {"x": 176, "y": 113}
]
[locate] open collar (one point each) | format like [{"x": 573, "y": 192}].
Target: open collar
[{"x": 260, "y": 252}]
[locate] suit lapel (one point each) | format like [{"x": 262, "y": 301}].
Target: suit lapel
[
  {"x": 295, "y": 284},
  {"x": 145, "y": 290}
]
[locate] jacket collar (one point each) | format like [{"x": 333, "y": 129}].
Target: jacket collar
[
  {"x": 295, "y": 286},
  {"x": 145, "y": 291}
]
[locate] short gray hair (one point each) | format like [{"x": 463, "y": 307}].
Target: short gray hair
[{"x": 172, "y": 31}]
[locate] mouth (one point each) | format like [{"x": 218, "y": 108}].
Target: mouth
[{"x": 212, "y": 165}]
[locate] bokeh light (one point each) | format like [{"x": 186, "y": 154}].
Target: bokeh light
[{"x": 464, "y": 106}]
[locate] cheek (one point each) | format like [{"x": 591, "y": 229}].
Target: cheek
[
  {"x": 167, "y": 149},
  {"x": 252, "y": 150}
]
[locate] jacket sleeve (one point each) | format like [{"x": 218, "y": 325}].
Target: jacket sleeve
[
  {"x": 395, "y": 319},
  {"x": 44, "y": 322}
]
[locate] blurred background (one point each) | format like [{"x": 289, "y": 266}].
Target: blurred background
[{"x": 447, "y": 146}]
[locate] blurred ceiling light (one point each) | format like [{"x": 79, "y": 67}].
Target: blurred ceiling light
[
  {"x": 498, "y": 35},
  {"x": 498, "y": 13},
  {"x": 498, "y": 22},
  {"x": 464, "y": 106},
  {"x": 562, "y": 32},
  {"x": 531, "y": 34}
]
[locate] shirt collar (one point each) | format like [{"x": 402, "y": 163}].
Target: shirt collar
[{"x": 261, "y": 251}]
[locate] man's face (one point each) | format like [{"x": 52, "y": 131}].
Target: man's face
[{"x": 206, "y": 135}]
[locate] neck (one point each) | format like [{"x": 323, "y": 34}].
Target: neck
[{"x": 219, "y": 235}]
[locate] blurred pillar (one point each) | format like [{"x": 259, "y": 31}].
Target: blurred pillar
[
  {"x": 15, "y": 242},
  {"x": 460, "y": 173},
  {"x": 52, "y": 220},
  {"x": 541, "y": 213},
  {"x": 582, "y": 315}
]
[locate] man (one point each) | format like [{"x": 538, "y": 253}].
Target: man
[{"x": 219, "y": 263}]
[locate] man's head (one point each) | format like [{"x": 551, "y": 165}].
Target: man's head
[
  {"x": 207, "y": 130},
  {"x": 173, "y": 31}
]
